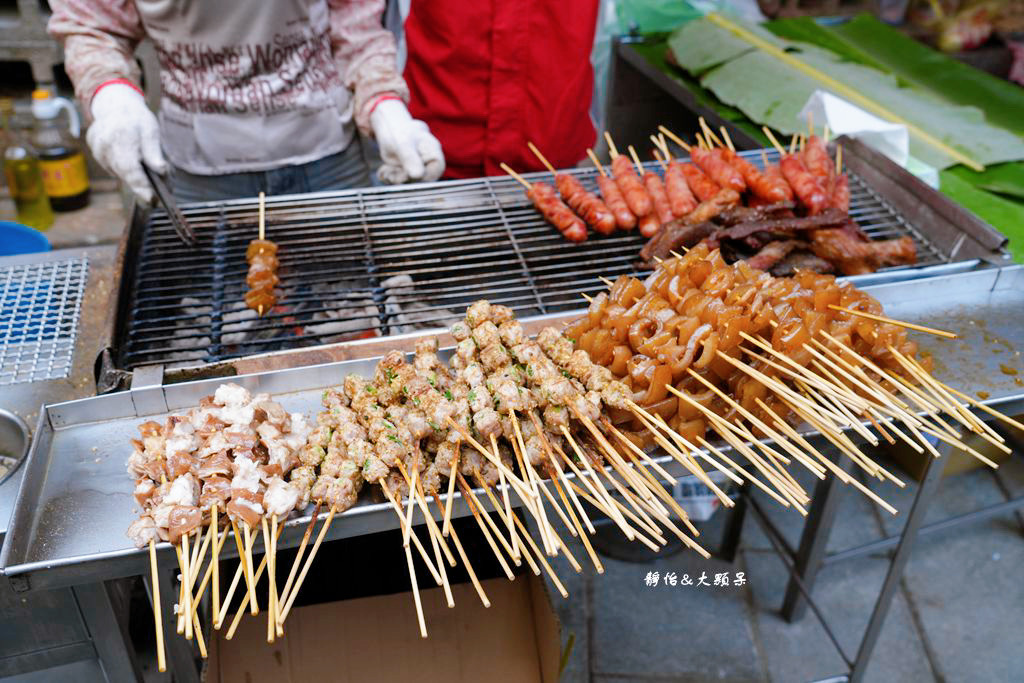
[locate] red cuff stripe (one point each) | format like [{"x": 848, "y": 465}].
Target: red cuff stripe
[
  {"x": 382, "y": 98},
  {"x": 122, "y": 81}
]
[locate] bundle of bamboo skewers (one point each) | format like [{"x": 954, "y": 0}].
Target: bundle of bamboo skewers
[{"x": 518, "y": 418}]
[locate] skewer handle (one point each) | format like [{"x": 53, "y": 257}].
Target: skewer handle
[
  {"x": 674, "y": 138},
  {"x": 892, "y": 321},
  {"x": 507, "y": 169},
  {"x": 541, "y": 157},
  {"x": 597, "y": 162},
  {"x": 263, "y": 215}
]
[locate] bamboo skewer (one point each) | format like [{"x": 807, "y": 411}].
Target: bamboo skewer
[
  {"x": 709, "y": 134},
  {"x": 775, "y": 143},
  {"x": 467, "y": 490},
  {"x": 558, "y": 473},
  {"x": 597, "y": 163},
  {"x": 465, "y": 560},
  {"x": 209, "y": 570},
  {"x": 249, "y": 540},
  {"x": 186, "y": 588},
  {"x": 452, "y": 469},
  {"x": 541, "y": 157},
  {"x": 611, "y": 144},
  {"x": 475, "y": 511},
  {"x": 307, "y": 565},
  {"x": 674, "y": 138},
  {"x": 596, "y": 482},
  {"x": 497, "y": 507},
  {"x": 215, "y": 560},
  {"x": 544, "y": 526},
  {"x": 522, "y": 181},
  {"x": 415, "y": 593},
  {"x": 268, "y": 555},
  {"x": 521, "y": 487},
  {"x": 513, "y": 539},
  {"x": 652, "y": 545},
  {"x": 893, "y": 321},
  {"x": 416, "y": 491},
  {"x": 297, "y": 562},
  {"x": 728, "y": 140},
  {"x": 415, "y": 484},
  {"x": 579, "y": 528},
  {"x": 158, "y": 621},
  {"x": 245, "y": 601}
]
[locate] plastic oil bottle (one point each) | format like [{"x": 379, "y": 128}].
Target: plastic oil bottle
[
  {"x": 23, "y": 174},
  {"x": 60, "y": 155}
]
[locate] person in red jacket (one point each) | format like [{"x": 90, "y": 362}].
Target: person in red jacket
[{"x": 487, "y": 76}]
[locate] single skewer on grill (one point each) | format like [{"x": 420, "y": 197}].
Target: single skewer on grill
[{"x": 262, "y": 278}]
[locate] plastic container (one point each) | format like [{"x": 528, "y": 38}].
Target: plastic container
[
  {"x": 16, "y": 238},
  {"x": 60, "y": 154}
]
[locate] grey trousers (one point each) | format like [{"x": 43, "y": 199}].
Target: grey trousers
[{"x": 338, "y": 171}]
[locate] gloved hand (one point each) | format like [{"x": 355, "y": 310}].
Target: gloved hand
[
  {"x": 124, "y": 132},
  {"x": 409, "y": 151}
]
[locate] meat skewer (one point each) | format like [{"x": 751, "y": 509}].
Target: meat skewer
[
  {"x": 765, "y": 185},
  {"x": 703, "y": 187},
  {"x": 805, "y": 186},
  {"x": 554, "y": 210},
  {"x": 624, "y": 218},
  {"x": 629, "y": 182},
  {"x": 717, "y": 168},
  {"x": 680, "y": 198},
  {"x": 659, "y": 199},
  {"x": 262, "y": 278},
  {"x": 584, "y": 203},
  {"x": 841, "y": 190}
]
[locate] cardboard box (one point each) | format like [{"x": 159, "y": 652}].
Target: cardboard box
[{"x": 517, "y": 640}]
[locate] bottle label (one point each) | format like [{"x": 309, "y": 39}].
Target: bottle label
[{"x": 65, "y": 177}]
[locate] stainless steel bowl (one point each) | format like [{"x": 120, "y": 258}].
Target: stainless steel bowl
[{"x": 14, "y": 440}]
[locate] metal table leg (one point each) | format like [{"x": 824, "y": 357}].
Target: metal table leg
[
  {"x": 814, "y": 540},
  {"x": 181, "y": 656},
  {"x": 734, "y": 526},
  {"x": 932, "y": 477},
  {"x": 99, "y": 605}
]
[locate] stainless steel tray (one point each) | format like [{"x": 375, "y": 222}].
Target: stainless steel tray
[{"x": 75, "y": 501}]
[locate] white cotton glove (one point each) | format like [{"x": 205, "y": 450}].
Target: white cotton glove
[
  {"x": 409, "y": 151},
  {"x": 124, "y": 132}
]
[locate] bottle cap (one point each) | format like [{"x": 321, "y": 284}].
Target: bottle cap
[{"x": 40, "y": 94}]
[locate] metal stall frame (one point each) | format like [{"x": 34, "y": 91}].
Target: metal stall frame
[{"x": 804, "y": 562}]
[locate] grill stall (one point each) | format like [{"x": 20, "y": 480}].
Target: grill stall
[{"x": 383, "y": 261}]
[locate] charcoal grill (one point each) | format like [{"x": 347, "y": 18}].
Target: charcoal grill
[{"x": 384, "y": 261}]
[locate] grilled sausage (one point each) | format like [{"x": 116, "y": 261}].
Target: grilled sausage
[
  {"x": 703, "y": 188},
  {"x": 680, "y": 199},
  {"x": 632, "y": 188},
  {"x": 659, "y": 197},
  {"x": 806, "y": 187},
  {"x": 554, "y": 210},
  {"x": 624, "y": 218},
  {"x": 585, "y": 204},
  {"x": 763, "y": 185},
  {"x": 718, "y": 169}
]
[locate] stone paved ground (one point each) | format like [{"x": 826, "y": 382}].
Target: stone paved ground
[{"x": 956, "y": 617}]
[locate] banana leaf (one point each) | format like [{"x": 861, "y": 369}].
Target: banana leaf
[
  {"x": 1006, "y": 215},
  {"x": 771, "y": 91},
  {"x": 925, "y": 68},
  {"x": 654, "y": 48}
]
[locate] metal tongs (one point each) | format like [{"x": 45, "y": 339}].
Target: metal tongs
[{"x": 166, "y": 198}]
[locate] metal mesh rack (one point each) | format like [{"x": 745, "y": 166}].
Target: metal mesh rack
[
  {"x": 40, "y": 304},
  {"x": 379, "y": 261}
]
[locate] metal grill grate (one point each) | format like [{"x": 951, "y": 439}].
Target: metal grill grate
[
  {"x": 40, "y": 304},
  {"x": 379, "y": 261}
]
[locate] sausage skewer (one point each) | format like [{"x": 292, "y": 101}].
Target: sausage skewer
[
  {"x": 554, "y": 210},
  {"x": 805, "y": 185},
  {"x": 624, "y": 218},
  {"x": 681, "y": 201},
  {"x": 651, "y": 224},
  {"x": 629, "y": 182},
  {"x": 584, "y": 203},
  {"x": 703, "y": 187}
]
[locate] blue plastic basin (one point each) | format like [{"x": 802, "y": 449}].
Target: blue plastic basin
[{"x": 16, "y": 238}]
